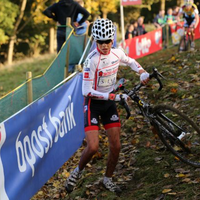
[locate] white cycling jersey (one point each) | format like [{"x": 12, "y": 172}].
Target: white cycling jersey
[{"x": 100, "y": 72}]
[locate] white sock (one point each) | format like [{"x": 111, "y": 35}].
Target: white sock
[
  {"x": 106, "y": 179},
  {"x": 78, "y": 170}
]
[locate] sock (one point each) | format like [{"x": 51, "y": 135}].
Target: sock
[
  {"x": 78, "y": 170},
  {"x": 106, "y": 179}
]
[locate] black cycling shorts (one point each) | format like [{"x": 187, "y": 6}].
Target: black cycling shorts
[
  {"x": 96, "y": 110},
  {"x": 188, "y": 21}
]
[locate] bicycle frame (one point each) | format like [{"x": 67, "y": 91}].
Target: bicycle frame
[{"x": 143, "y": 106}]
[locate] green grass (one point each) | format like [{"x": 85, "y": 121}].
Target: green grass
[{"x": 12, "y": 76}]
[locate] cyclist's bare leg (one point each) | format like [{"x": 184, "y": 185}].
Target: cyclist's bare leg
[
  {"x": 114, "y": 147},
  {"x": 192, "y": 37},
  {"x": 92, "y": 138}
]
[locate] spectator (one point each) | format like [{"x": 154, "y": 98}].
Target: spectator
[
  {"x": 159, "y": 19},
  {"x": 169, "y": 18},
  {"x": 129, "y": 32},
  {"x": 141, "y": 29},
  {"x": 159, "y": 22},
  {"x": 175, "y": 11},
  {"x": 83, "y": 27},
  {"x": 135, "y": 25},
  {"x": 60, "y": 11}
]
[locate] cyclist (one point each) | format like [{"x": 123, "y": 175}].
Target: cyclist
[
  {"x": 191, "y": 19},
  {"x": 99, "y": 77}
]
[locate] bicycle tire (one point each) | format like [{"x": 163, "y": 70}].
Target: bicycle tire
[
  {"x": 182, "y": 40},
  {"x": 178, "y": 133},
  {"x": 188, "y": 43}
]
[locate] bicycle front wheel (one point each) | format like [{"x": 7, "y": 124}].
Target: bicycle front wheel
[
  {"x": 182, "y": 43},
  {"x": 179, "y": 134},
  {"x": 188, "y": 43}
]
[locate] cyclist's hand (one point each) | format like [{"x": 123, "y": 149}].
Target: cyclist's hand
[
  {"x": 191, "y": 27},
  {"x": 144, "y": 77},
  {"x": 118, "y": 97},
  {"x": 179, "y": 24},
  {"x": 76, "y": 24}
]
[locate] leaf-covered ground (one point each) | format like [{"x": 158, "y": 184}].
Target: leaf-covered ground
[{"x": 146, "y": 170}]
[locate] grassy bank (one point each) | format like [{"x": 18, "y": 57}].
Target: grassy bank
[{"x": 12, "y": 76}]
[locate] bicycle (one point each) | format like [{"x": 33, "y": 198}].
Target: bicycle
[
  {"x": 177, "y": 131},
  {"x": 185, "y": 41}
]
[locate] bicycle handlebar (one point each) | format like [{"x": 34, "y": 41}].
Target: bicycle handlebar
[{"x": 155, "y": 74}]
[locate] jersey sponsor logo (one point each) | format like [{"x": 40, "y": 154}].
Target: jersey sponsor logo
[
  {"x": 85, "y": 108},
  {"x": 86, "y": 75},
  {"x": 114, "y": 61},
  {"x": 92, "y": 55},
  {"x": 87, "y": 69},
  {"x": 94, "y": 121},
  {"x": 86, "y": 62},
  {"x": 100, "y": 73},
  {"x": 103, "y": 58},
  {"x": 114, "y": 118}
]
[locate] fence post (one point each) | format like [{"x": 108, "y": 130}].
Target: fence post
[
  {"x": 86, "y": 36},
  {"x": 68, "y": 23},
  {"x": 167, "y": 35},
  {"x": 29, "y": 87},
  {"x": 51, "y": 40}
]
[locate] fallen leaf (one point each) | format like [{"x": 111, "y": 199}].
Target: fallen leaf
[
  {"x": 180, "y": 175},
  {"x": 172, "y": 193},
  {"x": 186, "y": 180},
  {"x": 166, "y": 175},
  {"x": 166, "y": 191},
  {"x": 173, "y": 90}
]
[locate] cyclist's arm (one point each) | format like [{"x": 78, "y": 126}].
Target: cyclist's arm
[
  {"x": 135, "y": 66},
  {"x": 196, "y": 19}
]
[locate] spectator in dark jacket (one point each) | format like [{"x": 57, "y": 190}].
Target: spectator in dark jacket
[
  {"x": 141, "y": 29},
  {"x": 135, "y": 25},
  {"x": 60, "y": 11},
  {"x": 175, "y": 11},
  {"x": 129, "y": 30}
]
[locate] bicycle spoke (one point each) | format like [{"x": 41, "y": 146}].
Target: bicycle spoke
[{"x": 179, "y": 134}]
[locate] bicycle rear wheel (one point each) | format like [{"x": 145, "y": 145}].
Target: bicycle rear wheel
[{"x": 178, "y": 133}]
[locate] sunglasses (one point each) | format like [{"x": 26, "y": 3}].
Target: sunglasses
[{"x": 104, "y": 41}]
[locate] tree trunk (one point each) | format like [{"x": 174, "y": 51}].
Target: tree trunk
[
  {"x": 11, "y": 49},
  {"x": 162, "y": 4},
  {"x": 180, "y": 2},
  {"x": 14, "y": 34},
  {"x": 104, "y": 15}
]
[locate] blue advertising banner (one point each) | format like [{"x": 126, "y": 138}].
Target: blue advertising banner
[{"x": 39, "y": 139}]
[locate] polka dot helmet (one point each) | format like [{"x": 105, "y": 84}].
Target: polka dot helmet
[
  {"x": 103, "y": 29},
  {"x": 188, "y": 2}
]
